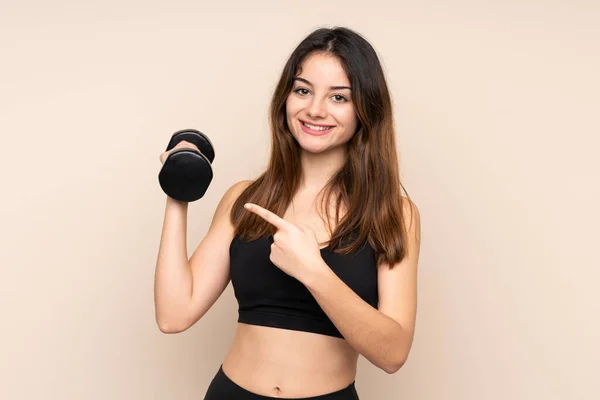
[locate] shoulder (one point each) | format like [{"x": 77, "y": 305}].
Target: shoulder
[
  {"x": 236, "y": 189},
  {"x": 409, "y": 206},
  {"x": 411, "y": 218},
  {"x": 233, "y": 192}
]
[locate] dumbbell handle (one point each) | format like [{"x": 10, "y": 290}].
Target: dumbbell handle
[{"x": 191, "y": 135}]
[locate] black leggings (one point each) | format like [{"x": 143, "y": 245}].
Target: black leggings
[{"x": 223, "y": 388}]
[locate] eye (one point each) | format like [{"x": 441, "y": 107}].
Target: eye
[
  {"x": 301, "y": 91},
  {"x": 338, "y": 98}
]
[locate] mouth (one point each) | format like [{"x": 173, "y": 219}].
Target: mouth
[{"x": 316, "y": 130}]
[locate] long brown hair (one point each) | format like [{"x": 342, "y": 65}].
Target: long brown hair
[{"x": 368, "y": 185}]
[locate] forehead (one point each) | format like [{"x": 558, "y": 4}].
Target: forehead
[{"x": 323, "y": 70}]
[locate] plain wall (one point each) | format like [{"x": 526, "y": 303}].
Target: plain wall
[{"x": 497, "y": 108}]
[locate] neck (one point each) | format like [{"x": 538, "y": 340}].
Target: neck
[{"x": 317, "y": 169}]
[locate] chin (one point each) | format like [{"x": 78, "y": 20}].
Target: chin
[
  {"x": 314, "y": 151},
  {"x": 311, "y": 149}
]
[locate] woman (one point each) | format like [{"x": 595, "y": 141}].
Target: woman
[{"x": 321, "y": 249}]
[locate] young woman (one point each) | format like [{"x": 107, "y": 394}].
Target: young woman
[{"x": 321, "y": 249}]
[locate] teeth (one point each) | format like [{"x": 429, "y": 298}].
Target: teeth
[{"x": 317, "y": 128}]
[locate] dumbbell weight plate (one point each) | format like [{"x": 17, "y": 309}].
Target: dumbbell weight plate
[
  {"x": 196, "y": 137},
  {"x": 186, "y": 174}
]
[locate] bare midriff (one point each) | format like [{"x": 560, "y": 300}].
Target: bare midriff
[{"x": 289, "y": 364}]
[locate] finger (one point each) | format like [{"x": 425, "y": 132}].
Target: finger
[
  {"x": 185, "y": 145},
  {"x": 268, "y": 216}
]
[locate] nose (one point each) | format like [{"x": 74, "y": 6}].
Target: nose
[{"x": 316, "y": 109}]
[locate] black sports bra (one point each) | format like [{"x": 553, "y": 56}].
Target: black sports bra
[{"x": 267, "y": 296}]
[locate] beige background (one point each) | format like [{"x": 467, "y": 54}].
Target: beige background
[{"x": 497, "y": 106}]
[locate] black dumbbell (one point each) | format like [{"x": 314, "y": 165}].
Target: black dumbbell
[{"x": 186, "y": 173}]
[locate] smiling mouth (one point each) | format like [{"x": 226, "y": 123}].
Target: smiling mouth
[{"x": 317, "y": 127}]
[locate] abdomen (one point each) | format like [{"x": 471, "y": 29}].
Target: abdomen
[{"x": 286, "y": 363}]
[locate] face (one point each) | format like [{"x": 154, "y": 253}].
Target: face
[{"x": 320, "y": 112}]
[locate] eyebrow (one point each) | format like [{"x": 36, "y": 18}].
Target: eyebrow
[{"x": 330, "y": 87}]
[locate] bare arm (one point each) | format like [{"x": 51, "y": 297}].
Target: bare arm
[{"x": 184, "y": 290}]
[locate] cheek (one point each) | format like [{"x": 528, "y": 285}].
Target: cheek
[
  {"x": 347, "y": 118},
  {"x": 291, "y": 105},
  {"x": 353, "y": 120},
  {"x": 289, "y": 111}
]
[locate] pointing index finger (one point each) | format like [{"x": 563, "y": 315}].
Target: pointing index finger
[{"x": 267, "y": 215}]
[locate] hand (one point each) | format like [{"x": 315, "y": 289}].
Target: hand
[
  {"x": 295, "y": 249},
  {"x": 181, "y": 145}
]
